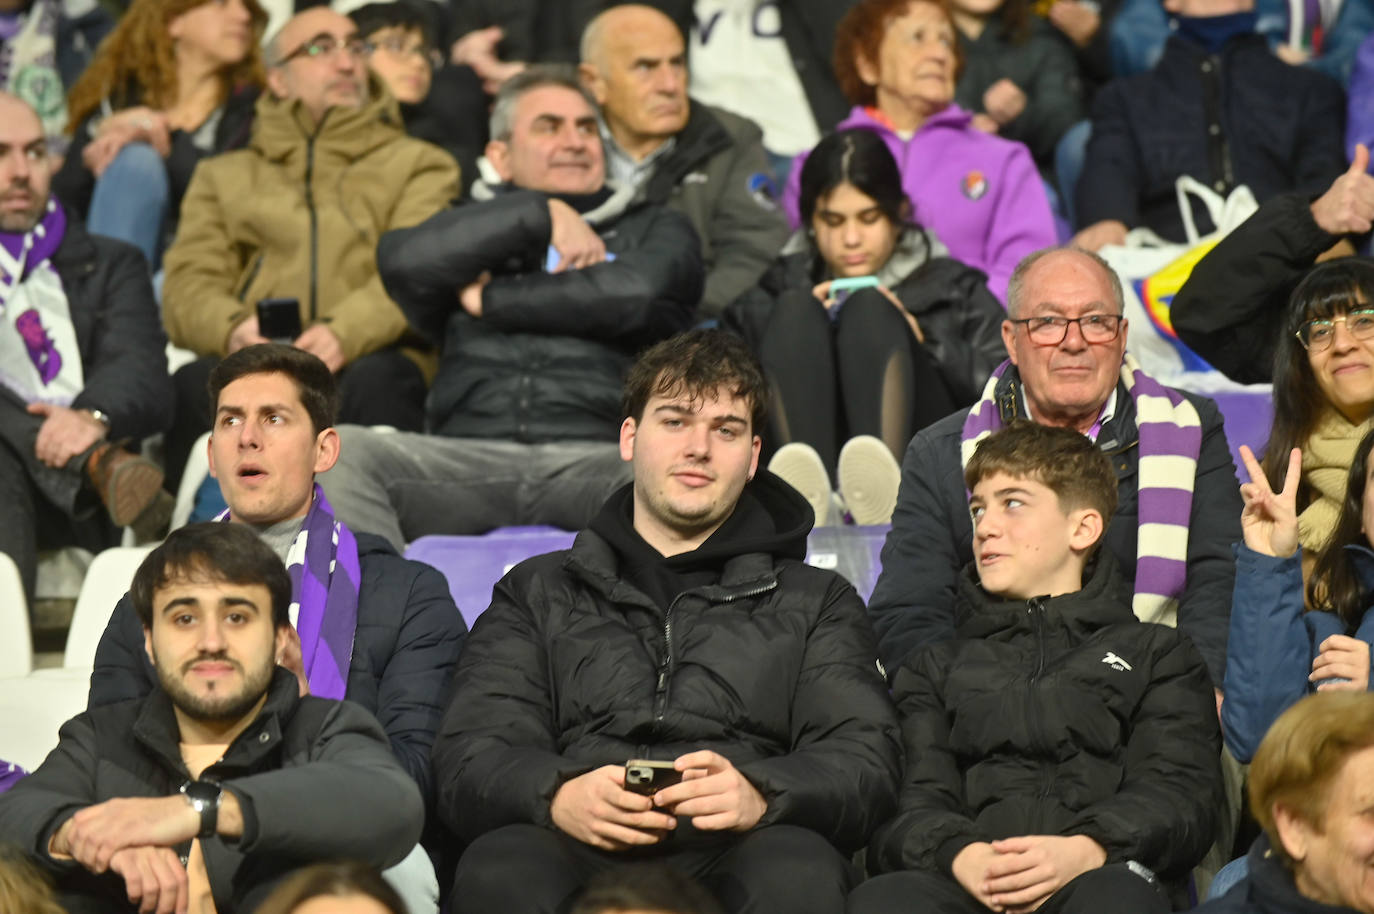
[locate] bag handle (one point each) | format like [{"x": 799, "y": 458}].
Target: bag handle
[{"x": 1213, "y": 201}]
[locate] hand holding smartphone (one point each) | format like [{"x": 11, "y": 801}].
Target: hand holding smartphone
[
  {"x": 648, "y": 777},
  {"x": 842, "y": 288},
  {"x": 279, "y": 319}
]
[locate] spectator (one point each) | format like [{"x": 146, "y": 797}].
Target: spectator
[
  {"x": 1219, "y": 107},
  {"x": 1233, "y": 307},
  {"x": 175, "y": 82},
  {"x": 331, "y": 171},
  {"x": 540, "y": 295},
  {"x": 1061, "y": 756},
  {"x": 706, "y": 163},
  {"x": 1309, "y": 785},
  {"x": 24, "y": 888},
  {"x": 980, "y": 194},
  {"x": 111, "y": 812},
  {"x": 44, "y": 47},
  {"x": 768, "y": 61},
  {"x": 849, "y": 364},
  {"x": 1066, "y": 340},
  {"x": 682, "y": 626},
  {"x": 82, "y": 366},
  {"x": 1359, "y": 124},
  {"x": 334, "y": 888},
  {"x": 401, "y": 633},
  {"x": 645, "y": 888},
  {"x": 1279, "y": 650},
  {"x": 1020, "y": 78},
  {"x": 399, "y": 35}
]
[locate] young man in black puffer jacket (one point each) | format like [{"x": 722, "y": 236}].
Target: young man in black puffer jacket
[{"x": 1061, "y": 755}]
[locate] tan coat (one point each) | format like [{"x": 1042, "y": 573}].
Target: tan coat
[{"x": 297, "y": 214}]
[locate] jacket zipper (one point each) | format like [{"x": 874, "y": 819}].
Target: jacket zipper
[
  {"x": 252, "y": 275},
  {"x": 665, "y": 666},
  {"x": 314, "y": 224},
  {"x": 1036, "y": 609}
]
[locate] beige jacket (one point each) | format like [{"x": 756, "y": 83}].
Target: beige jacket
[{"x": 297, "y": 214}]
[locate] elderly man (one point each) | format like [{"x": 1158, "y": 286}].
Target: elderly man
[
  {"x": 1179, "y": 506},
  {"x": 683, "y": 627},
  {"x": 224, "y": 778},
  {"x": 81, "y": 365},
  {"x": 297, "y": 216},
  {"x": 1311, "y": 786},
  {"x": 704, "y": 162},
  {"x": 540, "y": 296}
]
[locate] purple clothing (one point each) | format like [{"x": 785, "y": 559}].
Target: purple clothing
[
  {"x": 1359, "y": 127},
  {"x": 980, "y": 194}
]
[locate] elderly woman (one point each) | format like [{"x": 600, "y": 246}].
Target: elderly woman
[
  {"x": 897, "y": 61},
  {"x": 1311, "y": 789}
]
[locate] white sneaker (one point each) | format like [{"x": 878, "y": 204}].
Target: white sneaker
[
  {"x": 801, "y": 467},
  {"x": 869, "y": 479}
]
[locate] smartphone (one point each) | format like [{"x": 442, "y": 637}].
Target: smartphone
[
  {"x": 279, "y": 319},
  {"x": 649, "y": 777},
  {"x": 840, "y": 289}
]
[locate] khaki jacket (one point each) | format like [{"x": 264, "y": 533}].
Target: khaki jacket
[{"x": 297, "y": 214}]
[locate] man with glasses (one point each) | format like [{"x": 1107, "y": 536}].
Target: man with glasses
[
  {"x": 296, "y": 216},
  {"x": 1179, "y": 507}
]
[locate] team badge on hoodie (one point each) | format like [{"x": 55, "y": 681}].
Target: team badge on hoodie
[{"x": 974, "y": 185}]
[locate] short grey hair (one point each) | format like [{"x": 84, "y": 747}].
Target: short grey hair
[
  {"x": 1016, "y": 286},
  {"x": 533, "y": 77}
]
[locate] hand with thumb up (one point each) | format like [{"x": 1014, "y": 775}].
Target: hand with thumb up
[{"x": 1347, "y": 208}]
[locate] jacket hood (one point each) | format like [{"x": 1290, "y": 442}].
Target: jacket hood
[
  {"x": 979, "y": 614},
  {"x": 282, "y": 124},
  {"x": 770, "y": 518}
]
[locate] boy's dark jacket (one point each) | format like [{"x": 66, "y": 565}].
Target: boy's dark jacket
[{"x": 1056, "y": 716}]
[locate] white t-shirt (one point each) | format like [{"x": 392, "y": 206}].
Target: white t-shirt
[{"x": 740, "y": 62}]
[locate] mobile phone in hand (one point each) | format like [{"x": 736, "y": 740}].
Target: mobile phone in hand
[
  {"x": 279, "y": 319},
  {"x": 647, "y": 777}
]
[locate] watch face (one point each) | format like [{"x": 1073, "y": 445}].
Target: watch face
[{"x": 201, "y": 793}]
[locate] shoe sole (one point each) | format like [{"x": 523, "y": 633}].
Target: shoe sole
[
  {"x": 801, "y": 468},
  {"x": 869, "y": 479},
  {"x": 132, "y": 488}
]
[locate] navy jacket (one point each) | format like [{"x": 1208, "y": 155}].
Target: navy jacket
[
  {"x": 408, "y": 637},
  {"x": 1239, "y": 117},
  {"x": 1268, "y": 888},
  {"x": 1273, "y": 643}
]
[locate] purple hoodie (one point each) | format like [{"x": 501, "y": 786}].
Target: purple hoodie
[{"x": 980, "y": 194}]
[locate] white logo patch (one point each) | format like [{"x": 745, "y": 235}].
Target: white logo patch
[{"x": 1115, "y": 662}]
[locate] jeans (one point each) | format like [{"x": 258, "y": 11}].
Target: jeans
[
  {"x": 1069, "y": 154},
  {"x": 402, "y": 485},
  {"x": 130, "y": 200}
]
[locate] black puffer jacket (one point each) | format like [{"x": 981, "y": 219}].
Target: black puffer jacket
[
  {"x": 407, "y": 643},
  {"x": 1239, "y": 117},
  {"x": 772, "y": 665},
  {"x": 1056, "y": 716},
  {"x": 546, "y": 360}
]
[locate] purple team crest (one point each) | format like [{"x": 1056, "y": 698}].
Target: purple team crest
[{"x": 42, "y": 352}]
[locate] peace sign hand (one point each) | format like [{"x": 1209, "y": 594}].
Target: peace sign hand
[{"x": 1270, "y": 521}]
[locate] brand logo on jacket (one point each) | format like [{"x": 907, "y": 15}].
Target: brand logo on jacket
[
  {"x": 1116, "y": 663},
  {"x": 974, "y": 185}
]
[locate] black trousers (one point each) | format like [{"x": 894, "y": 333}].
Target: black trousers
[
  {"x": 42, "y": 506},
  {"x": 863, "y": 373},
  {"x": 1111, "y": 888},
  {"x": 381, "y": 388},
  {"x": 778, "y": 869}
]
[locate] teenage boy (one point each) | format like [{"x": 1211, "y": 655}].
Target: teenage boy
[{"x": 1061, "y": 755}]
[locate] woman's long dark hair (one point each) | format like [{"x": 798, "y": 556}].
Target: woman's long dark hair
[
  {"x": 861, "y": 158},
  {"x": 1328, "y": 290},
  {"x": 1335, "y": 584}
]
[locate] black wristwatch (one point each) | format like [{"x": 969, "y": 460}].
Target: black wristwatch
[{"x": 204, "y": 798}]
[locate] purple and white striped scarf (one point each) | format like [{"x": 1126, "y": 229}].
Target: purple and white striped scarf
[
  {"x": 325, "y": 576},
  {"x": 1170, "y": 441}
]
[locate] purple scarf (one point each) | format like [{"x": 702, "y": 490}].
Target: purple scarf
[
  {"x": 33, "y": 248},
  {"x": 325, "y": 575}
]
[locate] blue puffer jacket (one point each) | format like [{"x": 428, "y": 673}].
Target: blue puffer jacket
[{"x": 1273, "y": 643}]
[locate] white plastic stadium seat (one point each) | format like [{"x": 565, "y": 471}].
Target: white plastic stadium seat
[
  {"x": 107, "y": 581},
  {"x": 16, "y": 643}
]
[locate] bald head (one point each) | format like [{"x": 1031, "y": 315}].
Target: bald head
[
  {"x": 634, "y": 62},
  {"x": 316, "y": 57},
  {"x": 25, "y": 169}
]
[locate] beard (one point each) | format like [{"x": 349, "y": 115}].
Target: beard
[{"x": 217, "y": 706}]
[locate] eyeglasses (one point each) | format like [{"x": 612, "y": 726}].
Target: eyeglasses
[
  {"x": 329, "y": 45},
  {"x": 1317, "y": 336},
  {"x": 397, "y": 47},
  {"x": 1051, "y": 330}
]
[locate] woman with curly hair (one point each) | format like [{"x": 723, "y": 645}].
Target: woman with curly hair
[
  {"x": 898, "y": 62},
  {"x": 176, "y": 80}
]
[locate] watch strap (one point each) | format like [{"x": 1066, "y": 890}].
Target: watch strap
[{"x": 204, "y": 797}]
